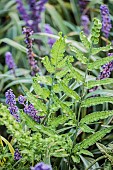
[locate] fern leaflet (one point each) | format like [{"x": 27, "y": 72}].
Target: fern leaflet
[
  {"x": 95, "y": 116},
  {"x": 96, "y": 100}
]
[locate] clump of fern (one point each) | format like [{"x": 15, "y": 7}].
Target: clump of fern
[{"x": 62, "y": 97}]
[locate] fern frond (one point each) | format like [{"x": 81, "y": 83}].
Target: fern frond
[
  {"x": 56, "y": 88},
  {"x": 84, "y": 40},
  {"x": 95, "y": 33},
  {"x": 47, "y": 80},
  {"x": 66, "y": 79},
  {"x": 35, "y": 126},
  {"x": 75, "y": 74},
  {"x": 58, "y": 50},
  {"x": 42, "y": 92},
  {"x": 47, "y": 64},
  {"x": 61, "y": 73},
  {"x": 65, "y": 60},
  {"x": 95, "y": 116},
  {"x": 85, "y": 152},
  {"x": 92, "y": 139},
  {"x": 61, "y": 105},
  {"x": 93, "y": 83},
  {"x": 55, "y": 122},
  {"x": 104, "y": 150},
  {"x": 96, "y": 64},
  {"x": 79, "y": 55},
  {"x": 96, "y": 100},
  {"x": 86, "y": 128},
  {"x": 69, "y": 92},
  {"x": 97, "y": 50}
]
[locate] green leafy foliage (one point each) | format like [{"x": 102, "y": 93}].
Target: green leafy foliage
[
  {"x": 79, "y": 55},
  {"x": 96, "y": 100},
  {"x": 84, "y": 40},
  {"x": 69, "y": 92},
  {"x": 95, "y": 116},
  {"x": 96, "y": 31},
  {"x": 92, "y": 139},
  {"x": 94, "y": 83},
  {"x": 97, "y": 50},
  {"x": 98, "y": 63},
  {"x": 64, "y": 131},
  {"x": 106, "y": 151}
]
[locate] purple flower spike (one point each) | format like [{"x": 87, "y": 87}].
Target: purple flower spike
[
  {"x": 48, "y": 30},
  {"x": 106, "y": 69},
  {"x": 105, "y": 73},
  {"x": 32, "y": 62},
  {"x": 23, "y": 13},
  {"x": 36, "y": 9},
  {"x": 10, "y": 97},
  {"x": 85, "y": 23},
  {"x": 17, "y": 155},
  {"x": 106, "y": 22},
  {"x": 13, "y": 109},
  {"x": 21, "y": 99},
  {"x": 83, "y": 4},
  {"x": 32, "y": 112},
  {"x": 10, "y": 100},
  {"x": 41, "y": 166},
  {"x": 9, "y": 60}
]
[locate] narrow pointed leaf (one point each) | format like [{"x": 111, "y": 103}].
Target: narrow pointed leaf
[
  {"x": 96, "y": 64},
  {"x": 94, "y": 83},
  {"x": 96, "y": 100},
  {"x": 95, "y": 116}
]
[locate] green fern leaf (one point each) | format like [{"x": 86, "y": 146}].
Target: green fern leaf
[
  {"x": 28, "y": 120},
  {"x": 55, "y": 122},
  {"x": 96, "y": 31},
  {"x": 56, "y": 88},
  {"x": 69, "y": 92},
  {"x": 42, "y": 92},
  {"x": 76, "y": 158},
  {"x": 92, "y": 139},
  {"x": 49, "y": 67},
  {"x": 67, "y": 79},
  {"x": 58, "y": 50},
  {"x": 86, "y": 128},
  {"x": 97, "y": 50},
  {"x": 96, "y": 100},
  {"x": 94, "y": 83},
  {"x": 61, "y": 73},
  {"x": 47, "y": 80},
  {"x": 75, "y": 74},
  {"x": 45, "y": 130},
  {"x": 85, "y": 152},
  {"x": 96, "y": 64},
  {"x": 65, "y": 60},
  {"x": 61, "y": 105},
  {"x": 84, "y": 40},
  {"x": 79, "y": 55},
  {"x": 95, "y": 116},
  {"x": 38, "y": 104},
  {"x": 104, "y": 150}
]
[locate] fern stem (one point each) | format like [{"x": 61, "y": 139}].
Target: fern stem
[
  {"x": 48, "y": 111},
  {"x": 82, "y": 97},
  {"x": 98, "y": 159}
]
